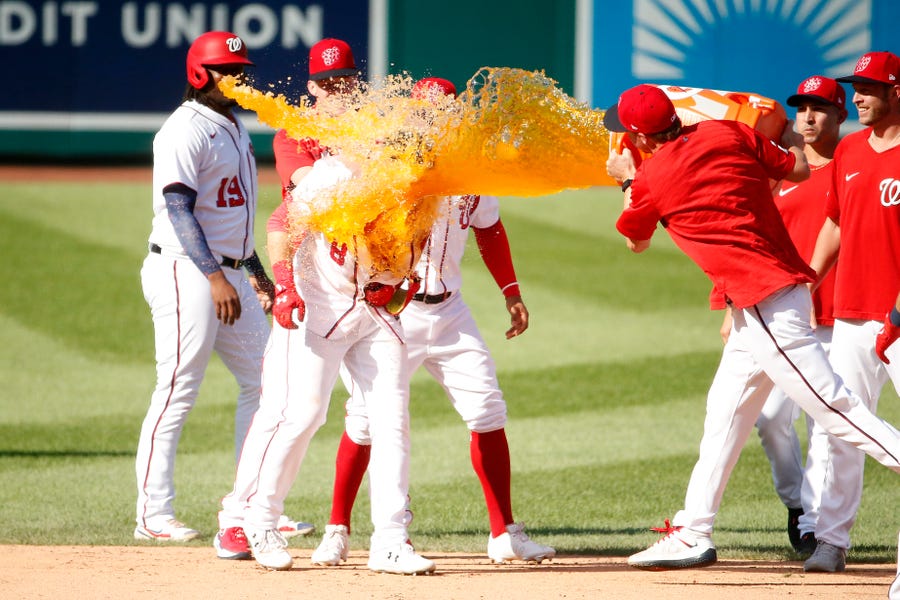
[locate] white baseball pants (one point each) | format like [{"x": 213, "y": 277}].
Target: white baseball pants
[
  {"x": 773, "y": 341},
  {"x": 187, "y": 331},
  {"x": 299, "y": 373},
  {"x": 853, "y": 358}
]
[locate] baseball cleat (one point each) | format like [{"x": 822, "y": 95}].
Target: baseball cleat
[
  {"x": 677, "y": 549},
  {"x": 232, "y": 544},
  {"x": 515, "y": 545},
  {"x": 269, "y": 548},
  {"x": 793, "y": 527},
  {"x": 399, "y": 560},
  {"x": 290, "y": 528},
  {"x": 170, "y": 530},
  {"x": 827, "y": 558},
  {"x": 333, "y": 548}
]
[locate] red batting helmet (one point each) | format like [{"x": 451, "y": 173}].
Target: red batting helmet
[{"x": 211, "y": 49}]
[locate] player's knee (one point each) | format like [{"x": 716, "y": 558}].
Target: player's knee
[
  {"x": 357, "y": 429},
  {"x": 490, "y": 419}
]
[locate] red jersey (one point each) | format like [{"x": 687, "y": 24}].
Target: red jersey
[
  {"x": 865, "y": 202},
  {"x": 802, "y": 206},
  {"x": 290, "y": 155},
  {"x": 709, "y": 188}
]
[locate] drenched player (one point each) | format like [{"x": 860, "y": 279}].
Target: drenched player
[
  {"x": 338, "y": 318},
  {"x": 442, "y": 336},
  {"x": 204, "y": 204},
  {"x": 723, "y": 216}
]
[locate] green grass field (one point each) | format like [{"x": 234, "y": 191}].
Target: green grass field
[{"x": 606, "y": 391}]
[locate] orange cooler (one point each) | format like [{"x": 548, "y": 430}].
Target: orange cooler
[{"x": 698, "y": 104}]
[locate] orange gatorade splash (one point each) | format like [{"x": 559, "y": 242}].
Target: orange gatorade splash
[{"x": 510, "y": 133}]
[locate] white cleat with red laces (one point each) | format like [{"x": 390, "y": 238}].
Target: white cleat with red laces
[{"x": 677, "y": 549}]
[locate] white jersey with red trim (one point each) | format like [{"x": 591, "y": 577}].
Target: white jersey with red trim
[
  {"x": 328, "y": 273},
  {"x": 439, "y": 266},
  {"x": 211, "y": 154}
]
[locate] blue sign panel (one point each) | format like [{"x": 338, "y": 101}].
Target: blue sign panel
[
  {"x": 763, "y": 46},
  {"x": 125, "y": 57}
]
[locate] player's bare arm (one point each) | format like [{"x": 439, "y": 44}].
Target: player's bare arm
[
  {"x": 262, "y": 284},
  {"x": 828, "y": 245}
]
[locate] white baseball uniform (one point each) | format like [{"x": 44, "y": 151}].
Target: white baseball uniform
[
  {"x": 441, "y": 334},
  {"x": 300, "y": 369},
  {"x": 211, "y": 154}
]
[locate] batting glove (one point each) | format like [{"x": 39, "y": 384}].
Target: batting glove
[
  {"x": 888, "y": 335},
  {"x": 287, "y": 300}
]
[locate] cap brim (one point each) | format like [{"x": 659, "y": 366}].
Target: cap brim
[
  {"x": 798, "y": 99},
  {"x": 858, "y": 79},
  {"x": 333, "y": 73},
  {"x": 611, "y": 120}
]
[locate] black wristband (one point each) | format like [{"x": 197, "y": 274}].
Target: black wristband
[{"x": 627, "y": 184}]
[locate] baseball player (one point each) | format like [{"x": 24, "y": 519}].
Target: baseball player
[
  {"x": 821, "y": 109},
  {"x": 863, "y": 223},
  {"x": 441, "y": 335},
  {"x": 204, "y": 202},
  {"x": 344, "y": 320},
  {"x": 708, "y": 184}
]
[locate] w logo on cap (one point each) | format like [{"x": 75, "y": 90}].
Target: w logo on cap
[
  {"x": 331, "y": 55},
  {"x": 234, "y": 44}
]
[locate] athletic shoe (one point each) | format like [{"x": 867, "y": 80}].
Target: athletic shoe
[
  {"x": 289, "y": 528},
  {"x": 333, "y": 548},
  {"x": 827, "y": 558},
  {"x": 807, "y": 544},
  {"x": 170, "y": 530},
  {"x": 793, "y": 529},
  {"x": 231, "y": 543},
  {"x": 399, "y": 560},
  {"x": 269, "y": 549},
  {"x": 677, "y": 549},
  {"x": 515, "y": 545}
]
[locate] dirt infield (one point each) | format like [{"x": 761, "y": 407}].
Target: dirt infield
[{"x": 178, "y": 572}]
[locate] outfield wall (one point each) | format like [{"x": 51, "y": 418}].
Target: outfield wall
[{"x": 94, "y": 80}]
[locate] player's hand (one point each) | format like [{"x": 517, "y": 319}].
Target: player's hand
[
  {"x": 225, "y": 298},
  {"x": 887, "y": 336},
  {"x": 518, "y": 316},
  {"x": 725, "y": 329},
  {"x": 621, "y": 166},
  {"x": 287, "y": 300},
  {"x": 265, "y": 291}
]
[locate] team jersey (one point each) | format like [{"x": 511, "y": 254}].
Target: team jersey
[
  {"x": 709, "y": 188},
  {"x": 211, "y": 154},
  {"x": 865, "y": 202},
  {"x": 802, "y": 206},
  {"x": 439, "y": 266},
  {"x": 330, "y": 274}
]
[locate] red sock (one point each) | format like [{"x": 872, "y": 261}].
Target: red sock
[
  {"x": 490, "y": 458},
  {"x": 350, "y": 467}
]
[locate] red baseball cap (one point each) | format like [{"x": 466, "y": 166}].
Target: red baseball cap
[
  {"x": 875, "y": 67},
  {"x": 821, "y": 90},
  {"x": 331, "y": 58},
  {"x": 642, "y": 109},
  {"x": 430, "y": 86}
]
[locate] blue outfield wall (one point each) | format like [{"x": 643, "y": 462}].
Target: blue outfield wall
[{"x": 93, "y": 80}]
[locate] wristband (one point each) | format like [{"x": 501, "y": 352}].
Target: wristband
[
  {"x": 627, "y": 184},
  {"x": 895, "y": 317}
]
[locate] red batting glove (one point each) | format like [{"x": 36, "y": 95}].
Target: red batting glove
[
  {"x": 887, "y": 336},
  {"x": 286, "y": 297}
]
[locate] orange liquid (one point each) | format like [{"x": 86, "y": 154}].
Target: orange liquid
[{"x": 510, "y": 133}]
